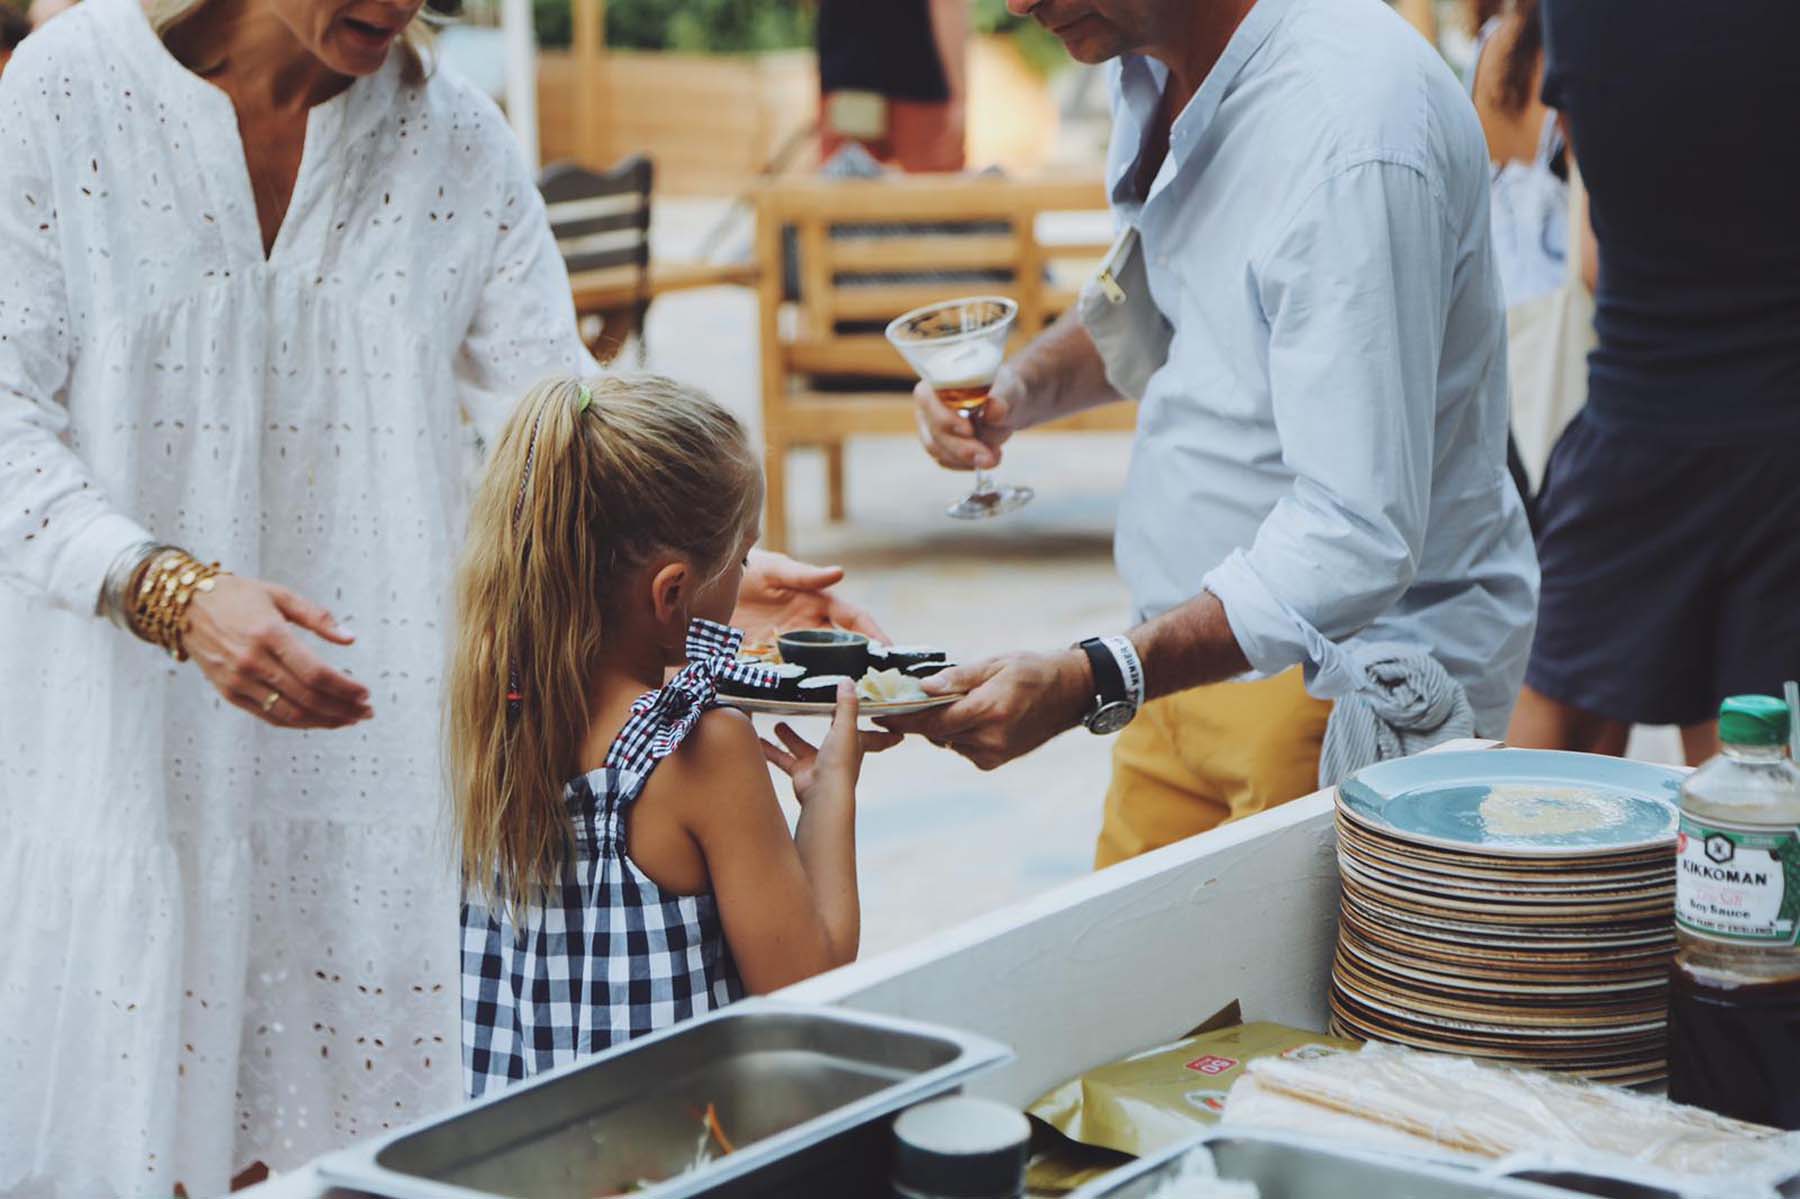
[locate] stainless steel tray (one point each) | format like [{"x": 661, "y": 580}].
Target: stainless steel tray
[
  {"x": 1285, "y": 1167},
  {"x": 784, "y": 1079}
]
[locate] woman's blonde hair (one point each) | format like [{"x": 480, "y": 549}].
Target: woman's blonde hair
[
  {"x": 415, "y": 43},
  {"x": 590, "y": 479}
]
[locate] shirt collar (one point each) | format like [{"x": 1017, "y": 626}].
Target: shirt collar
[{"x": 1142, "y": 79}]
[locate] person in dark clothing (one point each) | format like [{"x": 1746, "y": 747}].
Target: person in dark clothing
[
  {"x": 884, "y": 48},
  {"x": 1670, "y": 540},
  {"x": 891, "y": 78}
]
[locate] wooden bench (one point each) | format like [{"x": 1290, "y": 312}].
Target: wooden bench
[{"x": 868, "y": 250}]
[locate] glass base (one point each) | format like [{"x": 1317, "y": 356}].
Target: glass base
[{"x": 996, "y": 501}]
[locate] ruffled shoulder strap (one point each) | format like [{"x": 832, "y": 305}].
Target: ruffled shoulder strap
[{"x": 661, "y": 719}]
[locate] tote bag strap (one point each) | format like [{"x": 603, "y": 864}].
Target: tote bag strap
[{"x": 1579, "y": 234}]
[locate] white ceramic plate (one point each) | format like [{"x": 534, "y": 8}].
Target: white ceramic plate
[{"x": 794, "y": 707}]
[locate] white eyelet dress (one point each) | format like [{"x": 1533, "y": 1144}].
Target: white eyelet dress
[
  {"x": 613, "y": 956},
  {"x": 227, "y": 942}
]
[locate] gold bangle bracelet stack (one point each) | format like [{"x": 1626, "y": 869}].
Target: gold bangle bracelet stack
[{"x": 169, "y": 582}]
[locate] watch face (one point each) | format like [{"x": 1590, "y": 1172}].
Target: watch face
[{"x": 1111, "y": 717}]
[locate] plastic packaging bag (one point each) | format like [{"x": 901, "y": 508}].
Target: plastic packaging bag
[
  {"x": 1393, "y": 1098},
  {"x": 1162, "y": 1096}
]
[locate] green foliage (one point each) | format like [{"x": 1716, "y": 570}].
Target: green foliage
[
  {"x": 990, "y": 16},
  {"x": 749, "y": 26},
  {"x": 1037, "y": 45},
  {"x": 694, "y": 26},
  {"x": 554, "y": 23}
]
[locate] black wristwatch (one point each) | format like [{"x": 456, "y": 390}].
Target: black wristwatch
[{"x": 1113, "y": 705}]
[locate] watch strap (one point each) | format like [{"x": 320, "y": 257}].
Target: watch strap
[
  {"x": 1130, "y": 665},
  {"x": 1109, "y": 681}
]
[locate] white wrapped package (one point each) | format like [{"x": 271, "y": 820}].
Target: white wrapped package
[
  {"x": 1253, "y": 1105},
  {"x": 1400, "y": 1099}
]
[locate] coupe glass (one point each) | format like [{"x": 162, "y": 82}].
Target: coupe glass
[{"x": 957, "y": 347}]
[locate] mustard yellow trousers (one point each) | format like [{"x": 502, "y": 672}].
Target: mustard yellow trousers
[{"x": 1194, "y": 760}]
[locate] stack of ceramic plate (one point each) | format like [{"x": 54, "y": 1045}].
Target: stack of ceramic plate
[{"x": 1511, "y": 905}]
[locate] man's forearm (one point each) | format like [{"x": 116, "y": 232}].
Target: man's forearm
[
  {"x": 1063, "y": 372},
  {"x": 1013, "y": 704},
  {"x": 1188, "y": 646}
]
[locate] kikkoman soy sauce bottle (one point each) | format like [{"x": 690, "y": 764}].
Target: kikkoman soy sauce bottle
[{"x": 1734, "y": 1009}]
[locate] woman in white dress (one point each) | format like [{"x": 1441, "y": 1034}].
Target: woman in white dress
[{"x": 260, "y": 273}]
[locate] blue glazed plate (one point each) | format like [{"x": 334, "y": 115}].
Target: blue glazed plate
[{"x": 1518, "y": 802}]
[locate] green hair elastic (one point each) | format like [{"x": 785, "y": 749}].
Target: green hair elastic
[{"x": 584, "y": 398}]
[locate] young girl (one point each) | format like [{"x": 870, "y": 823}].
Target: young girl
[{"x": 625, "y": 861}]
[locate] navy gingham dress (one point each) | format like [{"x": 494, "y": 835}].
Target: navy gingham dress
[{"x": 612, "y": 956}]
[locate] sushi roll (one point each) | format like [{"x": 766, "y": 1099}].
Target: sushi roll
[
  {"x": 900, "y": 657},
  {"x": 822, "y": 689},
  {"x": 878, "y": 657},
  {"x": 924, "y": 670}
]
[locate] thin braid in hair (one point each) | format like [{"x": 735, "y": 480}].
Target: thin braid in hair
[{"x": 584, "y": 397}]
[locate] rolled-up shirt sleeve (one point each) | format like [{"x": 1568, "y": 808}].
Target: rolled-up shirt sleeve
[
  {"x": 1355, "y": 289},
  {"x": 59, "y": 531}
]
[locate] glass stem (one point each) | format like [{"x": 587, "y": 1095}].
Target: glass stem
[{"x": 984, "y": 483}]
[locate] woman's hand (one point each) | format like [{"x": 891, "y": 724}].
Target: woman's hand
[
  {"x": 779, "y": 594},
  {"x": 241, "y": 635},
  {"x": 834, "y": 766}
]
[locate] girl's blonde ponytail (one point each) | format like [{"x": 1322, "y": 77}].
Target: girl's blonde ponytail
[{"x": 643, "y": 466}]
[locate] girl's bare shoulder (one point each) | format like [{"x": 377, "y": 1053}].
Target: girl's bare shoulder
[
  {"x": 720, "y": 761},
  {"x": 720, "y": 733}
]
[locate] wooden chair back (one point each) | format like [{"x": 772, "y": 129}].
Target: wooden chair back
[
  {"x": 601, "y": 222},
  {"x": 867, "y": 250}
]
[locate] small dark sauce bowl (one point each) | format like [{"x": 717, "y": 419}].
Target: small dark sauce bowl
[{"x": 826, "y": 651}]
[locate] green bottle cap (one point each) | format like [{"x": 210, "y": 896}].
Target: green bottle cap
[{"x": 1753, "y": 720}]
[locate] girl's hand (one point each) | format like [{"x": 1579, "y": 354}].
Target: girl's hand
[
  {"x": 241, "y": 635},
  {"x": 833, "y": 767}
]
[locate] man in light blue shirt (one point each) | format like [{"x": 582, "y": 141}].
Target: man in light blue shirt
[{"x": 1319, "y": 474}]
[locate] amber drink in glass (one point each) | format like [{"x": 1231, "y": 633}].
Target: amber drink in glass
[{"x": 956, "y": 347}]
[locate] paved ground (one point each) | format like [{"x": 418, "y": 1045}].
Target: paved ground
[{"x": 941, "y": 841}]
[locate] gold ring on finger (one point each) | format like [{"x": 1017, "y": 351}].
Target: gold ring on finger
[{"x": 268, "y": 705}]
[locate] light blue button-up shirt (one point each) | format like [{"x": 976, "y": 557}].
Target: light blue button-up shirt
[{"x": 1325, "y": 448}]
